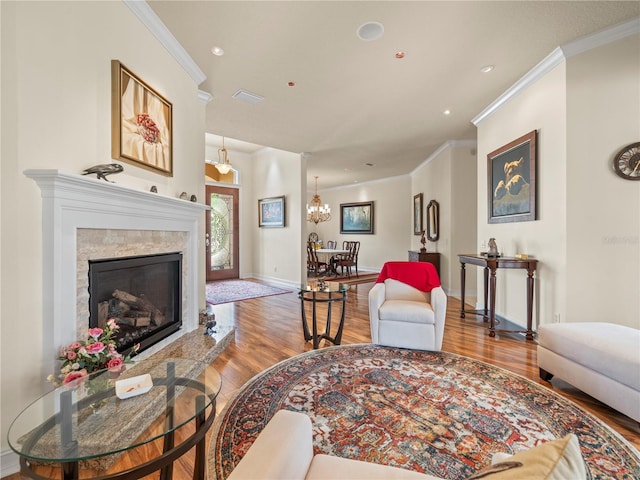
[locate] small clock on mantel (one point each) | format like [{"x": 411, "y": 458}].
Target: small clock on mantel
[{"x": 626, "y": 163}]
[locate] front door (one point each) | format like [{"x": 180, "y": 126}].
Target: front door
[{"x": 222, "y": 233}]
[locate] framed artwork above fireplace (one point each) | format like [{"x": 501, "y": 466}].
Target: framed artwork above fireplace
[{"x": 141, "y": 122}]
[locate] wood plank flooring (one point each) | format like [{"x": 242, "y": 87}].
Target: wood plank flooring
[{"x": 269, "y": 330}]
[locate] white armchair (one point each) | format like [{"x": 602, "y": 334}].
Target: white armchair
[{"x": 407, "y": 307}]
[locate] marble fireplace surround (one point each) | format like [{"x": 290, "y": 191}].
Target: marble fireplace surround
[{"x": 87, "y": 218}]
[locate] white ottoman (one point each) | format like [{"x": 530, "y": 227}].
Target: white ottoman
[{"x": 601, "y": 359}]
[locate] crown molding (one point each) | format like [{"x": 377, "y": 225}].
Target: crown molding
[
  {"x": 604, "y": 37},
  {"x": 556, "y": 57},
  {"x": 204, "y": 97},
  {"x": 149, "y": 19},
  {"x": 442, "y": 148}
]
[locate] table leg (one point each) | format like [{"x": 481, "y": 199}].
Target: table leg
[
  {"x": 316, "y": 340},
  {"x": 200, "y": 461},
  {"x": 167, "y": 472},
  {"x": 530, "y": 289},
  {"x": 69, "y": 469},
  {"x": 327, "y": 329},
  {"x": 492, "y": 305},
  {"x": 338, "y": 338},
  {"x": 305, "y": 326},
  {"x": 486, "y": 291},
  {"x": 462, "y": 284}
]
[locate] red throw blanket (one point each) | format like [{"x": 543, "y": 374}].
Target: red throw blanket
[{"x": 420, "y": 275}]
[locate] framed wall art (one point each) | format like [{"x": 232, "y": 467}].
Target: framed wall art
[
  {"x": 271, "y": 212},
  {"x": 417, "y": 214},
  {"x": 356, "y": 217},
  {"x": 511, "y": 178},
  {"x": 141, "y": 122}
]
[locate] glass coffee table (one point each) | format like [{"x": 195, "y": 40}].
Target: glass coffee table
[
  {"x": 87, "y": 423},
  {"x": 319, "y": 293}
]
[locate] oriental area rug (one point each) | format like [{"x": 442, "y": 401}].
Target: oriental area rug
[
  {"x": 432, "y": 412},
  {"x": 226, "y": 291}
]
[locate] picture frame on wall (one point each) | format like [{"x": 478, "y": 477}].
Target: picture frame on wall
[
  {"x": 271, "y": 212},
  {"x": 356, "y": 217},
  {"x": 141, "y": 122},
  {"x": 417, "y": 214},
  {"x": 511, "y": 181}
]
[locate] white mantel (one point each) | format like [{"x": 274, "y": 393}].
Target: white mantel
[{"x": 71, "y": 202}]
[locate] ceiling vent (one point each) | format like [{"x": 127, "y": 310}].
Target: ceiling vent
[{"x": 247, "y": 97}]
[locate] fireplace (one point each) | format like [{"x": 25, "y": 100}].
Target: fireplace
[{"x": 143, "y": 294}]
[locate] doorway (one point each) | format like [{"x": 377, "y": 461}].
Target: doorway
[{"x": 222, "y": 233}]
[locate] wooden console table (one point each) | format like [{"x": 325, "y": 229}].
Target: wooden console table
[{"x": 491, "y": 264}]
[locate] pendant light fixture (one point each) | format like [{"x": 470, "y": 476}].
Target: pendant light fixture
[
  {"x": 316, "y": 212},
  {"x": 223, "y": 164}
]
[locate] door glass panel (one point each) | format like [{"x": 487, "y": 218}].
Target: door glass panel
[{"x": 221, "y": 239}]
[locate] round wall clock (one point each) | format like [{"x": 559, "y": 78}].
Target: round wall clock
[{"x": 626, "y": 163}]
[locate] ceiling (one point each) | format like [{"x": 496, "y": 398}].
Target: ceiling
[{"x": 360, "y": 112}]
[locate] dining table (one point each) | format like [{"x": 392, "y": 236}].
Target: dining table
[{"x": 325, "y": 254}]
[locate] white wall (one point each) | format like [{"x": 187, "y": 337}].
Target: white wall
[
  {"x": 56, "y": 113},
  {"x": 541, "y": 107},
  {"x": 603, "y": 210},
  {"x": 586, "y": 236},
  {"x": 277, "y": 252},
  {"x": 393, "y": 227},
  {"x": 450, "y": 179}
]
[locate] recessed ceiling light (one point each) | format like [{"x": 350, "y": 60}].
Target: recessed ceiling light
[
  {"x": 368, "y": 164},
  {"x": 486, "y": 68},
  {"x": 291, "y": 84},
  {"x": 446, "y": 112},
  {"x": 370, "y": 31},
  {"x": 217, "y": 51},
  {"x": 400, "y": 54}
]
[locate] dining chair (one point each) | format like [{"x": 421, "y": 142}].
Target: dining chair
[
  {"x": 350, "y": 259},
  {"x": 313, "y": 264},
  {"x": 332, "y": 244}
]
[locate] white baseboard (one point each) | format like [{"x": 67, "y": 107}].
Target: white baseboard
[{"x": 9, "y": 463}]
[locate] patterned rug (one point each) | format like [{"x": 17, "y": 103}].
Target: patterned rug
[
  {"x": 431, "y": 412},
  {"x": 226, "y": 291}
]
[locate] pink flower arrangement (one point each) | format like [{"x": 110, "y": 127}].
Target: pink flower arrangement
[{"x": 98, "y": 352}]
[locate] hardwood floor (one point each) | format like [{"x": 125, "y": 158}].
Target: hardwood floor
[{"x": 269, "y": 330}]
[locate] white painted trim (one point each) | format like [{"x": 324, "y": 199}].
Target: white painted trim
[
  {"x": 604, "y": 37},
  {"x": 551, "y": 61},
  {"x": 444, "y": 147},
  {"x": 9, "y": 463},
  {"x": 149, "y": 19},
  {"x": 71, "y": 202},
  {"x": 204, "y": 97},
  {"x": 556, "y": 57}
]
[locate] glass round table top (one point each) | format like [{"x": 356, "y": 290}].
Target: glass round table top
[
  {"x": 103, "y": 414},
  {"x": 323, "y": 286}
]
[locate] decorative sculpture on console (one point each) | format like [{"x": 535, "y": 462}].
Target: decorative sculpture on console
[{"x": 423, "y": 241}]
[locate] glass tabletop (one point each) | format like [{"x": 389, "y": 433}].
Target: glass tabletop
[
  {"x": 324, "y": 286},
  {"x": 104, "y": 414}
]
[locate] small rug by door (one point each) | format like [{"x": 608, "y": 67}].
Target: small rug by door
[
  {"x": 226, "y": 291},
  {"x": 432, "y": 412}
]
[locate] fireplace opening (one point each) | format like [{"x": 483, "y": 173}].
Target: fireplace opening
[{"x": 143, "y": 294}]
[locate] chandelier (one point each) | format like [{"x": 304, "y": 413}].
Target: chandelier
[
  {"x": 223, "y": 164},
  {"x": 316, "y": 212}
]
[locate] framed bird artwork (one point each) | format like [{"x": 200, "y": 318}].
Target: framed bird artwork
[{"x": 141, "y": 122}]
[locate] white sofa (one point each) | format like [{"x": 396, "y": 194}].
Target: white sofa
[
  {"x": 284, "y": 451},
  {"x": 601, "y": 359}
]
